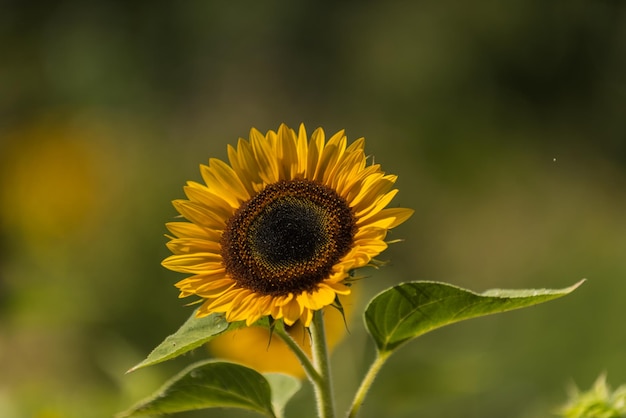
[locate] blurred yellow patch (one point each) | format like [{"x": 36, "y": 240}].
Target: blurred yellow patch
[
  {"x": 252, "y": 346},
  {"x": 49, "y": 183}
]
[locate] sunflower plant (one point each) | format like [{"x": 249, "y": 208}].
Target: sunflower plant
[{"x": 272, "y": 240}]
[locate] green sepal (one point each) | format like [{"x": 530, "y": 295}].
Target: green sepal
[{"x": 337, "y": 305}]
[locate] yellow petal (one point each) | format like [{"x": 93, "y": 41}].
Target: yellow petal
[
  {"x": 371, "y": 247},
  {"x": 193, "y": 245},
  {"x": 186, "y": 229},
  {"x": 332, "y": 151},
  {"x": 370, "y": 192},
  {"x": 205, "y": 281},
  {"x": 193, "y": 263},
  {"x": 245, "y": 165},
  {"x": 316, "y": 300},
  {"x": 377, "y": 204},
  {"x": 223, "y": 181},
  {"x": 225, "y": 302},
  {"x": 215, "y": 290},
  {"x": 201, "y": 194},
  {"x": 346, "y": 169},
  {"x": 199, "y": 214},
  {"x": 302, "y": 147},
  {"x": 354, "y": 184},
  {"x": 338, "y": 288},
  {"x": 316, "y": 146},
  {"x": 306, "y": 317},
  {"x": 264, "y": 155},
  {"x": 286, "y": 153},
  {"x": 244, "y": 308},
  {"x": 388, "y": 218},
  {"x": 369, "y": 233},
  {"x": 291, "y": 311}
]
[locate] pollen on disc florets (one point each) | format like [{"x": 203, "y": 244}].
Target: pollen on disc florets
[{"x": 287, "y": 238}]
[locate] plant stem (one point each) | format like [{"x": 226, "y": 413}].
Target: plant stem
[
  {"x": 308, "y": 367},
  {"x": 359, "y": 397},
  {"x": 323, "y": 390}
]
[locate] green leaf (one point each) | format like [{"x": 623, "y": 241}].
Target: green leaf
[
  {"x": 283, "y": 388},
  {"x": 192, "y": 334},
  {"x": 409, "y": 310},
  {"x": 209, "y": 384}
]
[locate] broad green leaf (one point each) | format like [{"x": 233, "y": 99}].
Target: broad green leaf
[
  {"x": 409, "y": 310},
  {"x": 209, "y": 384},
  {"x": 192, "y": 334},
  {"x": 283, "y": 388}
]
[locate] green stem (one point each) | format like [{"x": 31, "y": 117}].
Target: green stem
[
  {"x": 323, "y": 390},
  {"x": 359, "y": 397},
  {"x": 308, "y": 367}
]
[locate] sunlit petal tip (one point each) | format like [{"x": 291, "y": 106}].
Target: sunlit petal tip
[
  {"x": 285, "y": 131},
  {"x": 337, "y": 137},
  {"x": 358, "y": 144},
  {"x": 256, "y": 135},
  {"x": 182, "y": 295}
]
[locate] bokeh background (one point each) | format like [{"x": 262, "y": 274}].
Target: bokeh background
[{"x": 505, "y": 121}]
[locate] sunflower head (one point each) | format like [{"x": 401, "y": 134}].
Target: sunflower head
[{"x": 278, "y": 230}]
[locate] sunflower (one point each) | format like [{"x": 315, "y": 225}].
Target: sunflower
[{"x": 279, "y": 230}]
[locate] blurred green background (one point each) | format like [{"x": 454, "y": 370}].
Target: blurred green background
[{"x": 505, "y": 121}]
